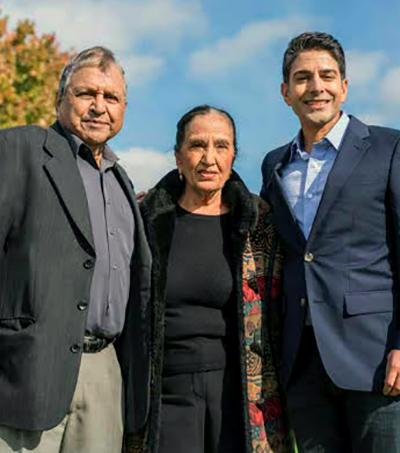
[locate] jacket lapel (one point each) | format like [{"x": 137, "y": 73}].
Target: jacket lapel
[
  {"x": 350, "y": 154},
  {"x": 64, "y": 174},
  {"x": 127, "y": 187},
  {"x": 283, "y": 215}
]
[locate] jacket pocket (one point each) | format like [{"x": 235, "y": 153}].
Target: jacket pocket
[
  {"x": 16, "y": 324},
  {"x": 368, "y": 302}
]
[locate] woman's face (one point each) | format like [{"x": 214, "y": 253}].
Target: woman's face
[{"x": 206, "y": 156}]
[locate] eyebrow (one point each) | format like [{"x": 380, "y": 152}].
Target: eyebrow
[
  {"x": 222, "y": 141},
  {"x": 204, "y": 142},
  {"x": 324, "y": 71},
  {"x": 82, "y": 88},
  {"x": 195, "y": 140}
]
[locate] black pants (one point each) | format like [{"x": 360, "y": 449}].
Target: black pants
[
  {"x": 327, "y": 419},
  {"x": 201, "y": 413}
]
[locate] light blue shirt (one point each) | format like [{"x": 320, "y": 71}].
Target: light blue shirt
[{"x": 304, "y": 176}]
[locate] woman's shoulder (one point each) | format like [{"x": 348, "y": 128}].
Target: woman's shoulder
[
  {"x": 262, "y": 206},
  {"x": 163, "y": 196},
  {"x": 264, "y": 226}
]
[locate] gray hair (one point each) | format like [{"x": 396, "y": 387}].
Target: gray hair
[
  {"x": 203, "y": 109},
  {"x": 99, "y": 57}
]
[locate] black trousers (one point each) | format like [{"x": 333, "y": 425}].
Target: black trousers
[
  {"x": 328, "y": 419},
  {"x": 201, "y": 413}
]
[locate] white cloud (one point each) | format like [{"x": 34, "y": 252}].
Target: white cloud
[
  {"x": 253, "y": 38},
  {"x": 384, "y": 108},
  {"x": 118, "y": 23},
  {"x": 377, "y": 118},
  {"x": 390, "y": 86},
  {"x": 364, "y": 67},
  {"x": 140, "y": 69},
  {"x": 122, "y": 25},
  {"x": 146, "y": 166}
]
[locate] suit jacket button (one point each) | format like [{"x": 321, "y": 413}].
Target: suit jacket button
[
  {"x": 82, "y": 305},
  {"x": 88, "y": 264},
  {"x": 308, "y": 257},
  {"x": 303, "y": 302},
  {"x": 75, "y": 348}
]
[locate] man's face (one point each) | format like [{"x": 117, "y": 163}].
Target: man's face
[
  {"x": 315, "y": 89},
  {"x": 93, "y": 105}
]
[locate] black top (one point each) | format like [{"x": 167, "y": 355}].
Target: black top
[{"x": 199, "y": 315}]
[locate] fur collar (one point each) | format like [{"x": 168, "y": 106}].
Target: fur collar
[{"x": 164, "y": 198}]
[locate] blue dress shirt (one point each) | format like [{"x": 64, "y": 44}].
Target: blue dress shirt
[{"x": 304, "y": 176}]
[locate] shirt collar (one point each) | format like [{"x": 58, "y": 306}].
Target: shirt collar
[{"x": 334, "y": 136}]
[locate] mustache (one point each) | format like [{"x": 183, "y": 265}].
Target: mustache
[{"x": 94, "y": 119}]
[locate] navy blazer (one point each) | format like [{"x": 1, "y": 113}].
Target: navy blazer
[{"x": 347, "y": 271}]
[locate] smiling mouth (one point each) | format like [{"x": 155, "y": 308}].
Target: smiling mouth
[{"x": 317, "y": 102}]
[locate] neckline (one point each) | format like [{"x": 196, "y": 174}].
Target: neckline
[{"x": 183, "y": 211}]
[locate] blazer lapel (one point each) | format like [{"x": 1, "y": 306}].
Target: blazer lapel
[
  {"x": 127, "y": 187},
  {"x": 350, "y": 154},
  {"x": 64, "y": 174},
  {"x": 140, "y": 239},
  {"x": 283, "y": 215}
]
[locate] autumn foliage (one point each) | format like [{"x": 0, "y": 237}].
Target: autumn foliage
[{"x": 30, "y": 67}]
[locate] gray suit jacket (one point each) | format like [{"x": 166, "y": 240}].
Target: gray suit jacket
[{"x": 46, "y": 265}]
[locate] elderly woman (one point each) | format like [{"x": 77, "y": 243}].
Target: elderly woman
[{"x": 214, "y": 386}]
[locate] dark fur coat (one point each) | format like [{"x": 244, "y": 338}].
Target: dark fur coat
[{"x": 256, "y": 275}]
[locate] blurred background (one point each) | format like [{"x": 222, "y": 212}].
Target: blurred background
[{"x": 180, "y": 53}]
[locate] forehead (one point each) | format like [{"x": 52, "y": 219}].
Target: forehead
[
  {"x": 314, "y": 59},
  {"x": 95, "y": 77},
  {"x": 210, "y": 123}
]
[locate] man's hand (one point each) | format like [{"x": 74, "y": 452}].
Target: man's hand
[{"x": 392, "y": 379}]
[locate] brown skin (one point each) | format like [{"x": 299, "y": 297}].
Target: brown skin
[
  {"x": 392, "y": 379},
  {"x": 93, "y": 106},
  {"x": 316, "y": 91},
  {"x": 205, "y": 160}
]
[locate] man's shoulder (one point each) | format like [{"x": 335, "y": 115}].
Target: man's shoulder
[
  {"x": 23, "y": 130},
  {"x": 374, "y": 130},
  {"x": 23, "y": 134},
  {"x": 384, "y": 131},
  {"x": 273, "y": 157}
]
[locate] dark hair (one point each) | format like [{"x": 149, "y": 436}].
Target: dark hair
[
  {"x": 97, "y": 56},
  {"x": 200, "y": 110},
  {"x": 313, "y": 41}
]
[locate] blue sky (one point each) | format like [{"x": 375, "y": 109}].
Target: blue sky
[{"x": 180, "y": 53}]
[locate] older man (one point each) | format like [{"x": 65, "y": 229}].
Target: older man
[
  {"x": 335, "y": 193},
  {"x": 74, "y": 272}
]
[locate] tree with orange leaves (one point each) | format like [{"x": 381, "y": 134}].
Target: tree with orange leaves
[{"x": 30, "y": 65}]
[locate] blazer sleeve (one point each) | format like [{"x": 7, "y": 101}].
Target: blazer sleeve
[{"x": 394, "y": 211}]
